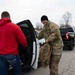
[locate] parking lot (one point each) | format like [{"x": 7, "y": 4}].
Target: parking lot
[{"x": 66, "y": 66}]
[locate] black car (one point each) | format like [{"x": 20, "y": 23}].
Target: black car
[{"x": 67, "y": 35}]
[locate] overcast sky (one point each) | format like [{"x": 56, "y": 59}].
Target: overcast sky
[{"x": 34, "y": 9}]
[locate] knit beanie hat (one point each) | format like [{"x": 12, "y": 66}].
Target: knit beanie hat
[{"x": 44, "y": 17}]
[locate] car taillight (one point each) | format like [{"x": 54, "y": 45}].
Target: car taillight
[{"x": 67, "y": 36}]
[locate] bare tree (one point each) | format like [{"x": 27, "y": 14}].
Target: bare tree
[
  {"x": 66, "y": 19},
  {"x": 38, "y": 26}
]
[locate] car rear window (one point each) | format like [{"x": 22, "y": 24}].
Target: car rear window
[{"x": 64, "y": 30}]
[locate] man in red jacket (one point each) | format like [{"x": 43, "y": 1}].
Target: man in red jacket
[{"x": 10, "y": 35}]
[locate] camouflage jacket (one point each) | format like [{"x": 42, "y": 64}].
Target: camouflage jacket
[{"x": 51, "y": 33}]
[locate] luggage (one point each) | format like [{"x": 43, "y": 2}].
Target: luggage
[{"x": 45, "y": 53}]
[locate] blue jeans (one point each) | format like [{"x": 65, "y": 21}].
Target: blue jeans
[{"x": 13, "y": 60}]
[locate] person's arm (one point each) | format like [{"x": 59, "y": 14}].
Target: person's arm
[
  {"x": 21, "y": 37},
  {"x": 41, "y": 35},
  {"x": 54, "y": 34}
]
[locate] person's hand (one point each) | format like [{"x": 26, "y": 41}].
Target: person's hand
[{"x": 46, "y": 41}]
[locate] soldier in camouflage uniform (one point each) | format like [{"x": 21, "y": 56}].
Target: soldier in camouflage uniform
[{"x": 51, "y": 33}]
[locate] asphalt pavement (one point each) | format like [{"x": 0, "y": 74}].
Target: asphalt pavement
[{"x": 66, "y": 65}]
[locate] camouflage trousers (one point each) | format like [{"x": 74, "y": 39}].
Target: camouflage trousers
[{"x": 54, "y": 62}]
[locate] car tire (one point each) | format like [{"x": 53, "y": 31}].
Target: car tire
[
  {"x": 25, "y": 69},
  {"x": 71, "y": 46},
  {"x": 39, "y": 64}
]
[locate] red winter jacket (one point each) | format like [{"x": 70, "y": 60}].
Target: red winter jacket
[{"x": 10, "y": 35}]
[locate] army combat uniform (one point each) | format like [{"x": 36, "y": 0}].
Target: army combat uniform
[{"x": 51, "y": 33}]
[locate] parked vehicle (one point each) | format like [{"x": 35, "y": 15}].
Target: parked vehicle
[
  {"x": 67, "y": 35},
  {"x": 74, "y": 33}
]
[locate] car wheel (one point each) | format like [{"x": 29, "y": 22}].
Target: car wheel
[
  {"x": 39, "y": 64},
  {"x": 25, "y": 69},
  {"x": 71, "y": 46}
]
